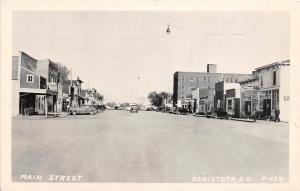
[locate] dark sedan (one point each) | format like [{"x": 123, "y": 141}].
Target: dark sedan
[{"x": 219, "y": 113}]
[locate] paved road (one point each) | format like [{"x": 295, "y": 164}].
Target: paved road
[{"x": 118, "y": 146}]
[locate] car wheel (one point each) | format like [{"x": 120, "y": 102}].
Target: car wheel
[
  {"x": 228, "y": 117},
  {"x": 74, "y": 113},
  {"x": 214, "y": 116},
  {"x": 91, "y": 112}
]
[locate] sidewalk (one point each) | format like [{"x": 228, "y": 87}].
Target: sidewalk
[
  {"x": 245, "y": 120},
  {"x": 36, "y": 117}
]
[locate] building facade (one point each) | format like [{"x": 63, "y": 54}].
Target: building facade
[
  {"x": 185, "y": 82},
  {"x": 268, "y": 89},
  {"x": 33, "y": 85},
  {"x": 49, "y": 69},
  {"x": 203, "y": 100},
  {"x": 72, "y": 95}
]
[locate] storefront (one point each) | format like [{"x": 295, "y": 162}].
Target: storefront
[{"x": 262, "y": 102}]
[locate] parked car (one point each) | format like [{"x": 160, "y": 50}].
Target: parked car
[
  {"x": 220, "y": 113},
  {"x": 134, "y": 109},
  {"x": 86, "y": 109},
  {"x": 99, "y": 108},
  {"x": 183, "y": 111},
  {"x": 160, "y": 108}
]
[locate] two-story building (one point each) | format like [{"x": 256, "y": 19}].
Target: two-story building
[
  {"x": 50, "y": 69},
  {"x": 72, "y": 95},
  {"x": 268, "y": 89},
  {"x": 29, "y": 86}
]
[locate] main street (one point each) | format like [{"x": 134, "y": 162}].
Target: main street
[{"x": 119, "y": 146}]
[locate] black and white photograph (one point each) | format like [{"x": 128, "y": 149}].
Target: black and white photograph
[{"x": 150, "y": 96}]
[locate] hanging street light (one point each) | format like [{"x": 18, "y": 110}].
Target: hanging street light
[{"x": 168, "y": 29}]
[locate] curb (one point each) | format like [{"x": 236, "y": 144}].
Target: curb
[{"x": 234, "y": 119}]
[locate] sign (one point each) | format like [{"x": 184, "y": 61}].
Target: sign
[
  {"x": 179, "y": 103},
  {"x": 52, "y": 86}
]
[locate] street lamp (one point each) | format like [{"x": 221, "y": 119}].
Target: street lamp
[{"x": 168, "y": 29}]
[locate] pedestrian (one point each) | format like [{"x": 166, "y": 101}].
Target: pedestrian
[
  {"x": 254, "y": 115},
  {"x": 277, "y": 112},
  {"x": 68, "y": 107}
]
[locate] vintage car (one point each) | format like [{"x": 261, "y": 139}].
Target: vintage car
[
  {"x": 134, "y": 109},
  {"x": 219, "y": 113},
  {"x": 86, "y": 109}
]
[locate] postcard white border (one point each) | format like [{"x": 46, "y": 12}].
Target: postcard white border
[{"x": 6, "y": 52}]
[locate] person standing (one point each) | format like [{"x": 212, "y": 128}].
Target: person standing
[{"x": 277, "y": 112}]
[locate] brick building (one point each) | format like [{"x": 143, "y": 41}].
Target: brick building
[{"x": 185, "y": 82}]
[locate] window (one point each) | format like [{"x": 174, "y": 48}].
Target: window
[
  {"x": 197, "y": 79},
  {"x": 30, "y": 78},
  {"x": 191, "y": 79},
  {"x": 208, "y": 78},
  {"x": 182, "y": 78},
  {"x": 236, "y": 80},
  {"x": 204, "y": 79},
  {"x": 182, "y": 87},
  {"x": 274, "y": 78},
  {"x": 261, "y": 81}
]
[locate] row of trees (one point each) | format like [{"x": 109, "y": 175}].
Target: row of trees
[{"x": 156, "y": 98}]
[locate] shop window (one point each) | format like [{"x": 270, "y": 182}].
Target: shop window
[
  {"x": 229, "y": 105},
  {"x": 30, "y": 78}
]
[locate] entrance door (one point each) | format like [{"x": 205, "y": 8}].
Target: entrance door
[
  {"x": 247, "y": 107},
  {"x": 267, "y": 107},
  {"x": 237, "y": 107}
]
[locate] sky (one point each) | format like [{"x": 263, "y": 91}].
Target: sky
[{"x": 127, "y": 54}]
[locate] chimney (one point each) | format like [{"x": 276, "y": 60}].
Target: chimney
[{"x": 211, "y": 68}]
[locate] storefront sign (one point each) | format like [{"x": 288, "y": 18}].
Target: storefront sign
[{"x": 52, "y": 86}]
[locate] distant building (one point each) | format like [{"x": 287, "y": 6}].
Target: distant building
[
  {"x": 185, "y": 82},
  {"x": 268, "y": 89},
  {"x": 72, "y": 95}
]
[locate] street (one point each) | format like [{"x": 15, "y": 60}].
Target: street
[{"x": 119, "y": 146}]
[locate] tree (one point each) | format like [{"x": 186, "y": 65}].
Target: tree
[
  {"x": 64, "y": 73},
  {"x": 157, "y": 98},
  {"x": 99, "y": 96}
]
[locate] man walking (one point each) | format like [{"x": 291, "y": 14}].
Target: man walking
[{"x": 277, "y": 112}]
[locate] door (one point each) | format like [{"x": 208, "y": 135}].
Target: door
[
  {"x": 267, "y": 107},
  {"x": 247, "y": 107},
  {"x": 237, "y": 107}
]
